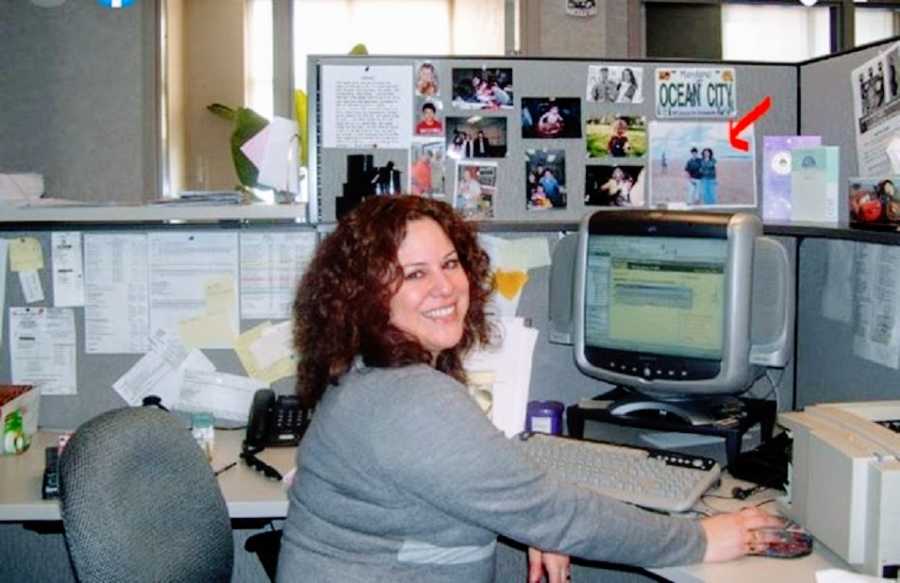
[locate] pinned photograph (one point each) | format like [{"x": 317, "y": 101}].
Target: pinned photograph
[
  {"x": 551, "y": 117},
  {"x": 476, "y": 137},
  {"x": 476, "y": 187},
  {"x": 427, "y": 84},
  {"x": 545, "y": 179},
  {"x": 614, "y": 84},
  {"x": 429, "y": 124},
  {"x": 616, "y": 136},
  {"x": 693, "y": 164},
  {"x": 426, "y": 168},
  {"x": 485, "y": 88},
  {"x": 614, "y": 186}
]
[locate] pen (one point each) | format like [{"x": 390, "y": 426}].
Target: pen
[{"x": 228, "y": 467}]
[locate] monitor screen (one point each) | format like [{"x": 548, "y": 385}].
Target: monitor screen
[{"x": 662, "y": 295}]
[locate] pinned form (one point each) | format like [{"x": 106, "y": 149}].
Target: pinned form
[
  {"x": 266, "y": 351},
  {"x": 26, "y": 257}
]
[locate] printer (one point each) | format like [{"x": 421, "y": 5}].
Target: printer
[{"x": 844, "y": 481}]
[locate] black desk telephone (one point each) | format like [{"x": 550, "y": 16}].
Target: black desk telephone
[{"x": 275, "y": 421}]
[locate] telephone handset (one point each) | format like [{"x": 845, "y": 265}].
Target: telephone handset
[{"x": 275, "y": 421}]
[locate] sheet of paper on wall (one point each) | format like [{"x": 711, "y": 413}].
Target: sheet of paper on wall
[
  {"x": 279, "y": 167},
  {"x": 876, "y": 335},
  {"x": 116, "y": 307},
  {"x": 501, "y": 375},
  {"x": 32, "y": 290},
  {"x": 367, "y": 106},
  {"x": 42, "y": 349},
  {"x": 4, "y": 248},
  {"x": 516, "y": 254},
  {"x": 193, "y": 279},
  {"x": 876, "y": 116},
  {"x": 161, "y": 370},
  {"x": 837, "y": 293},
  {"x": 67, "y": 269},
  {"x": 226, "y": 396},
  {"x": 266, "y": 351},
  {"x": 271, "y": 266}
]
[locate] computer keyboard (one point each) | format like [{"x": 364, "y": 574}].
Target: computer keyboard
[{"x": 653, "y": 478}]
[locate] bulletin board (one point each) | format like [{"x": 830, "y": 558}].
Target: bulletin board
[{"x": 374, "y": 150}]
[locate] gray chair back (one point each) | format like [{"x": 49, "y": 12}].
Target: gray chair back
[{"x": 140, "y": 502}]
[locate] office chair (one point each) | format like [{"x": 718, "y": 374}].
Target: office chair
[{"x": 140, "y": 503}]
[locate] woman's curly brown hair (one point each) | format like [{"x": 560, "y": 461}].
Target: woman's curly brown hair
[{"x": 342, "y": 305}]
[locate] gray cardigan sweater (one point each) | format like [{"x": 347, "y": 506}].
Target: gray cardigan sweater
[{"x": 401, "y": 477}]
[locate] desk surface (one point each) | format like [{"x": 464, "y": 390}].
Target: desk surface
[
  {"x": 250, "y": 495},
  {"x": 247, "y": 493}
]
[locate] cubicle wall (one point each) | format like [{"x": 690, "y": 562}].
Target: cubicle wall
[{"x": 532, "y": 78}]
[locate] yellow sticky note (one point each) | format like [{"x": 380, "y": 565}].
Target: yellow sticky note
[
  {"x": 25, "y": 254},
  {"x": 277, "y": 370},
  {"x": 300, "y": 107},
  {"x": 510, "y": 283}
]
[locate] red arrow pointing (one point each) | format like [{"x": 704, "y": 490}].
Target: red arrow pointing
[{"x": 735, "y": 129}]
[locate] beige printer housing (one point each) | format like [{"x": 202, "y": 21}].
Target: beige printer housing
[{"x": 844, "y": 481}]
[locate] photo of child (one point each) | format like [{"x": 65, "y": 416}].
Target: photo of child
[
  {"x": 476, "y": 186},
  {"x": 426, "y": 79},
  {"x": 485, "y": 88},
  {"x": 476, "y": 137},
  {"x": 551, "y": 117},
  {"x": 616, "y": 136},
  {"x": 614, "y": 186},
  {"x": 545, "y": 179},
  {"x": 429, "y": 124}
]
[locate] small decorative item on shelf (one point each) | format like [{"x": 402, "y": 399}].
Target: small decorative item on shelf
[
  {"x": 247, "y": 123},
  {"x": 874, "y": 203}
]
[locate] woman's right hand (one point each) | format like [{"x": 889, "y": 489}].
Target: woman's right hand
[{"x": 733, "y": 535}]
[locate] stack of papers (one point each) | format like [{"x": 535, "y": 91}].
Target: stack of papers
[
  {"x": 202, "y": 197},
  {"x": 499, "y": 376}
]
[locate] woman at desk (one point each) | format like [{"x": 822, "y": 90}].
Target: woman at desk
[{"x": 402, "y": 477}]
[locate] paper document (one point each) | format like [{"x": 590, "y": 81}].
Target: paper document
[
  {"x": 116, "y": 307},
  {"x": 266, "y": 351},
  {"x": 42, "y": 349},
  {"x": 68, "y": 270},
  {"x": 367, "y": 106},
  {"x": 837, "y": 293},
  {"x": 160, "y": 371},
  {"x": 516, "y": 254},
  {"x": 271, "y": 267},
  {"x": 876, "y": 327},
  {"x": 193, "y": 280},
  {"x": 4, "y": 248},
  {"x": 32, "y": 290},
  {"x": 501, "y": 375},
  {"x": 25, "y": 254},
  {"x": 226, "y": 396}
]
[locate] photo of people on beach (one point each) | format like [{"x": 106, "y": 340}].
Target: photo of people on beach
[
  {"x": 485, "y": 88},
  {"x": 612, "y": 84},
  {"x": 614, "y": 186},
  {"x": 551, "y": 117},
  {"x": 476, "y": 186},
  {"x": 693, "y": 164},
  {"x": 476, "y": 137},
  {"x": 616, "y": 136},
  {"x": 545, "y": 179}
]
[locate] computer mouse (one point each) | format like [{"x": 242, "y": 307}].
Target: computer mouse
[{"x": 788, "y": 542}]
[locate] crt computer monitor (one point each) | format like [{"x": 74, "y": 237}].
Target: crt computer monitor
[{"x": 680, "y": 306}]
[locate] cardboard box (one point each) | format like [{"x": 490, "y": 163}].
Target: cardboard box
[{"x": 18, "y": 417}]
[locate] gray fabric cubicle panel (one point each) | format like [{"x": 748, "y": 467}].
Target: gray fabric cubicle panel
[
  {"x": 539, "y": 78},
  {"x": 826, "y": 109},
  {"x": 96, "y": 373}
]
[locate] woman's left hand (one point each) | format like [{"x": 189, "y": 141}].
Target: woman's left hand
[{"x": 555, "y": 565}]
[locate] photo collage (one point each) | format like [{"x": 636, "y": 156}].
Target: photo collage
[{"x": 468, "y": 122}]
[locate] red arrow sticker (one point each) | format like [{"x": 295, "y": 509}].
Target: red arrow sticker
[{"x": 735, "y": 129}]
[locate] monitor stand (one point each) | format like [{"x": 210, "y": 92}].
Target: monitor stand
[{"x": 727, "y": 417}]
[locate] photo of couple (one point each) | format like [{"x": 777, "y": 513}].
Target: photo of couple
[
  {"x": 608, "y": 84},
  {"x": 476, "y": 137},
  {"x": 693, "y": 164}
]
